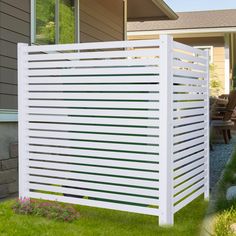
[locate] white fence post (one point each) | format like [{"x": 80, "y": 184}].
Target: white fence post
[
  {"x": 166, "y": 137},
  {"x": 207, "y": 185},
  {"x": 22, "y": 131}
]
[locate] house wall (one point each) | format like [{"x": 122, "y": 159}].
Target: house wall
[
  {"x": 14, "y": 28},
  {"x": 101, "y": 20}
]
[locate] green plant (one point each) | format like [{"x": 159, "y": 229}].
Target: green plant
[
  {"x": 215, "y": 82},
  {"x": 50, "y": 210}
]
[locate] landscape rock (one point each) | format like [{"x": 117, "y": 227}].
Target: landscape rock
[{"x": 231, "y": 193}]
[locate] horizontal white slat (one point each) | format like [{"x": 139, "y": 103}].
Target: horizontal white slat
[
  {"x": 188, "y": 73},
  {"x": 189, "y": 151},
  {"x": 189, "y": 190},
  {"x": 96, "y": 178},
  {"x": 188, "y": 183},
  {"x": 95, "y": 104},
  {"x": 92, "y": 46},
  {"x": 96, "y": 170},
  {"x": 189, "y": 167},
  {"x": 96, "y": 88},
  {"x": 95, "y": 71},
  {"x": 189, "y": 128},
  {"x": 96, "y": 96},
  {"x": 93, "y": 153},
  {"x": 189, "y": 49},
  {"x": 188, "y": 57},
  {"x": 187, "y": 81},
  {"x": 188, "y": 175},
  {"x": 94, "y": 79},
  {"x": 99, "y": 129},
  {"x": 188, "y": 199},
  {"x": 95, "y": 112},
  {"x": 94, "y": 120},
  {"x": 95, "y": 186},
  {"x": 95, "y": 55},
  {"x": 94, "y": 161},
  {"x": 182, "y": 97},
  {"x": 94, "y": 194},
  {"x": 189, "y": 89},
  {"x": 189, "y": 120},
  {"x": 188, "y": 144},
  {"x": 95, "y": 63},
  {"x": 183, "y": 137},
  {"x": 94, "y": 145},
  {"x": 95, "y": 137},
  {"x": 191, "y": 66},
  {"x": 179, "y": 105},
  {"x": 93, "y": 203},
  {"x": 181, "y": 162},
  {"x": 190, "y": 112}
]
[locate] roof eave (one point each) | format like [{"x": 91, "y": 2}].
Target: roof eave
[{"x": 166, "y": 9}]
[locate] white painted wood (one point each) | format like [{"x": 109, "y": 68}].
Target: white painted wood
[
  {"x": 95, "y": 71},
  {"x": 98, "y": 145},
  {"x": 183, "y": 178},
  {"x": 128, "y": 118},
  {"x": 96, "y": 129},
  {"x": 188, "y": 57},
  {"x": 95, "y": 153},
  {"x": 95, "y": 63},
  {"x": 96, "y": 112},
  {"x": 95, "y": 161},
  {"x": 95, "y": 120},
  {"x": 94, "y": 203},
  {"x": 96, "y": 45},
  {"x": 22, "y": 123},
  {"x": 94, "y": 194},
  {"x": 96, "y": 137},
  {"x": 97, "y": 170},
  {"x": 97, "y": 96},
  {"x": 95, "y": 55},
  {"x": 130, "y": 182},
  {"x": 166, "y": 132},
  {"x": 188, "y": 49},
  {"x": 207, "y": 141},
  {"x": 188, "y": 199},
  {"x": 188, "y": 183},
  {"x": 94, "y": 79},
  {"x": 95, "y": 186},
  {"x": 95, "y": 88}
]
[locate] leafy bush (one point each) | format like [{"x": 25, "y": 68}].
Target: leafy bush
[{"x": 50, "y": 210}]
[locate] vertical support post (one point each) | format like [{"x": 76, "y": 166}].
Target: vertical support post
[
  {"x": 207, "y": 184},
  {"x": 22, "y": 131},
  {"x": 166, "y": 131},
  {"x": 227, "y": 64}
]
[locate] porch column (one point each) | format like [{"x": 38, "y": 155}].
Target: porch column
[{"x": 227, "y": 63}]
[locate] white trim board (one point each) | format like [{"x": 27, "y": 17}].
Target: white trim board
[
  {"x": 8, "y": 115},
  {"x": 183, "y": 31}
]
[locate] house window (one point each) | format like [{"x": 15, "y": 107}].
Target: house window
[
  {"x": 209, "y": 49},
  {"x": 54, "y": 21}
]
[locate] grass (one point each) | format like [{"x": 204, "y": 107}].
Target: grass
[
  {"x": 226, "y": 210},
  {"x": 101, "y": 222}
]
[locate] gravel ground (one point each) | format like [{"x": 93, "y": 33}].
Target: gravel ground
[{"x": 219, "y": 157}]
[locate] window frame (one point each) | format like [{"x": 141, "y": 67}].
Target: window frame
[{"x": 33, "y": 22}]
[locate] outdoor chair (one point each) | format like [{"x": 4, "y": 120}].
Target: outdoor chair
[{"x": 221, "y": 118}]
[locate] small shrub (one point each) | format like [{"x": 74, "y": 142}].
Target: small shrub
[{"x": 50, "y": 210}]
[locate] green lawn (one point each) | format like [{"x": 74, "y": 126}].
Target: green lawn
[{"x": 95, "y": 222}]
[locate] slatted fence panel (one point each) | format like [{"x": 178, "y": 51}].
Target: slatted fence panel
[
  {"x": 92, "y": 124},
  {"x": 118, "y": 125},
  {"x": 190, "y": 124}
]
